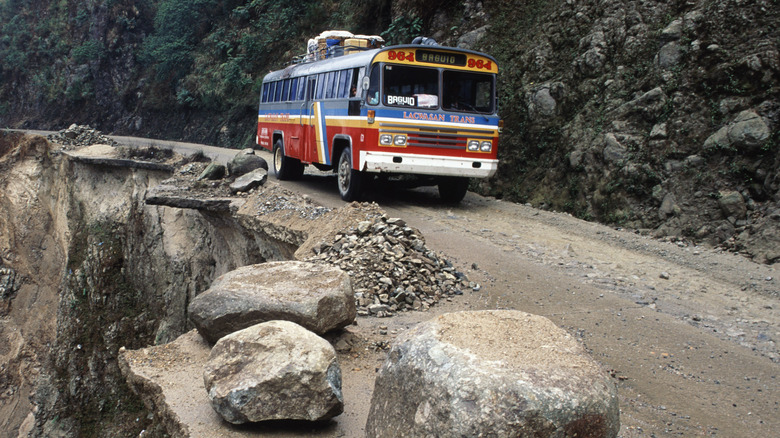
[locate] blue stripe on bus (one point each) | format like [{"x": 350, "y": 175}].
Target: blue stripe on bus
[{"x": 479, "y": 119}]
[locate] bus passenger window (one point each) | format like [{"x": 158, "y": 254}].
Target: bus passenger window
[
  {"x": 345, "y": 79},
  {"x": 320, "y": 86},
  {"x": 329, "y": 87},
  {"x": 285, "y": 90},
  {"x": 265, "y": 92},
  {"x": 278, "y": 94},
  {"x": 294, "y": 89}
]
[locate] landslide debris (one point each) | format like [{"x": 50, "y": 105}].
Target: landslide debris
[
  {"x": 392, "y": 269},
  {"x": 76, "y": 136}
]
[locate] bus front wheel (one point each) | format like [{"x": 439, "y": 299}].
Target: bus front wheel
[
  {"x": 453, "y": 189},
  {"x": 349, "y": 179},
  {"x": 285, "y": 168}
]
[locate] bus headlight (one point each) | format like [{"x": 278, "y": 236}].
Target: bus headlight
[
  {"x": 486, "y": 146},
  {"x": 400, "y": 140},
  {"x": 385, "y": 139},
  {"x": 473, "y": 145}
]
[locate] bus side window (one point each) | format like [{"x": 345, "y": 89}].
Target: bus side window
[
  {"x": 302, "y": 88},
  {"x": 344, "y": 83},
  {"x": 285, "y": 90},
  {"x": 329, "y": 87},
  {"x": 373, "y": 89},
  {"x": 293, "y": 89},
  {"x": 353, "y": 83},
  {"x": 320, "y": 85},
  {"x": 265, "y": 92},
  {"x": 312, "y": 87},
  {"x": 278, "y": 94}
]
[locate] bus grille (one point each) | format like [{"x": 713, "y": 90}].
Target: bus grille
[{"x": 436, "y": 137}]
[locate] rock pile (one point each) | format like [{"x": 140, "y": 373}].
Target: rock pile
[
  {"x": 80, "y": 135},
  {"x": 391, "y": 268}
]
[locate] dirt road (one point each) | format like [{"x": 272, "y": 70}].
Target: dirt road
[{"x": 688, "y": 333}]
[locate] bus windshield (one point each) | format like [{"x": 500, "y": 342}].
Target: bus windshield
[{"x": 418, "y": 87}]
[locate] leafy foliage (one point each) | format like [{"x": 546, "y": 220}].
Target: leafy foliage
[
  {"x": 178, "y": 25},
  {"x": 403, "y": 29}
]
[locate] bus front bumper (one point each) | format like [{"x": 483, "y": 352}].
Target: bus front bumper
[{"x": 378, "y": 162}]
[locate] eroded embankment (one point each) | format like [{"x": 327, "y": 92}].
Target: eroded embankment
[{"x": 97, "y": 269}]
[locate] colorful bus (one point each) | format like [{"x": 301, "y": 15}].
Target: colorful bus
[{"x": 427, "y": 111}]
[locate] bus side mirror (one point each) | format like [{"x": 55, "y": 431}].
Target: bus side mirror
[{"x": 366, "y": 83}]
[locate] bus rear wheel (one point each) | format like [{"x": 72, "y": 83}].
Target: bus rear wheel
[
  {"x": 285, "y": 168},
  {"x": 453, "y": 189},
  {"x": 349, "y": 179}
]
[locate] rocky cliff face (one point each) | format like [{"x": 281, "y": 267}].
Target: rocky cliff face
[
  {"x": 88, "y": 268},
  {"x": 654, "y": 115}
]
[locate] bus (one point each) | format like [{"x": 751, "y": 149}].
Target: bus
[{"x": 424, "y": 111}]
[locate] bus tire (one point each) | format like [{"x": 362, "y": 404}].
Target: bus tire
[
  {"x": 452, "y": 189},
  {"x": 285, "y": 168},
  {"x": 349, "y": 179}
]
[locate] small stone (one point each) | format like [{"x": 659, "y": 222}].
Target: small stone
[{"x": 664, "y": 275}]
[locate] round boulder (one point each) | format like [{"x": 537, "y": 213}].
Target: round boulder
[
  {"x": 276, "y": 370},
  {"x": 316, "y": 296},
  {"x": 491, "y": 373},
  {"x": 245, "y": 162}
]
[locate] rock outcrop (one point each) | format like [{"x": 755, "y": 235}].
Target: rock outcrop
[
  {"x": 274, "y": 371},
  {"x": 491, "y": 373},
  {"x": 316, "y": 296}
]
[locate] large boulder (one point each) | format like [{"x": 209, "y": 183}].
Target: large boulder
[
  {"x": 276, "y": 370},
  {"x": 316, "y": 296},
  {"x": 491, "y": 373},
  {"x": 245, "y": 162}
]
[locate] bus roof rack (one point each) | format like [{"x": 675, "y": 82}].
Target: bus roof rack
[{"x": 335, "y": 43}]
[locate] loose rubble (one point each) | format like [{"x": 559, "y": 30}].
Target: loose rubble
[
  {"x": 391, "y": 268},
  {"x": 78, "y": 136}
]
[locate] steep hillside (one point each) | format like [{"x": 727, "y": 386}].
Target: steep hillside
[
  {"x": 656, "y": 115},
  {"x": 653, "y": 115}
]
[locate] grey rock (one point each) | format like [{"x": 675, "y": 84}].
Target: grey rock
[
  {"x": 491, "y": 373},
  {"x": 613, "y": 151},
  {"x": 673, "y": 31},
  {"x": 245, "y": 162},
  {"x": 695, "y": 161},
  {"x": 276, "y": 370},
  {"x": 658, "y": 132},
  {"x": 669, "y": 55},
  {"x": 542, "y": 103},
  {"x": 249, "y": 181},
  {"x": 668, "y": 207},
  {"x": 748, "y": 130},
  {"x": 212, "y": 171},
  {"x": 575, "y": 158},
  {"x": 732, "y": 204},
  {"x": 718, "y": 140},
  {"x": 470, "y": 39},
  {"x": 316, "y": 296}
]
